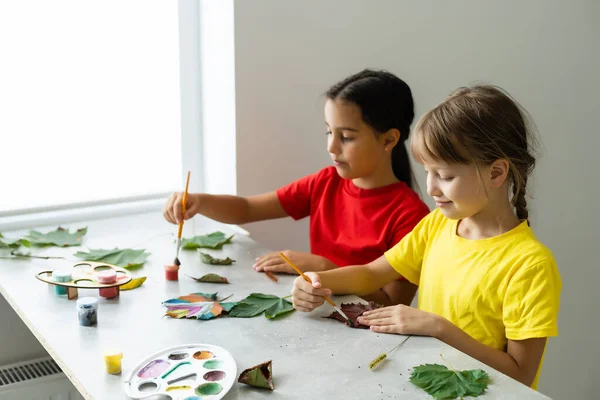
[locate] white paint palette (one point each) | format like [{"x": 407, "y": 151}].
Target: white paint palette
[{"x": 186, "y": 372}]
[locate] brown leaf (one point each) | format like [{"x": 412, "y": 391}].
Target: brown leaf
[{"x": 353, "y": 311}]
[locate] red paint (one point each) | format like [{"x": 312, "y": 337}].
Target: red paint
[
  {"x": 172, "y": 272},
  {"x": 108, "y": 278},
  {"x": 110, "y": 292}
]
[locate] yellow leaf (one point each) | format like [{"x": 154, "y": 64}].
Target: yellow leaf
[{"x": 133, "y": 284}]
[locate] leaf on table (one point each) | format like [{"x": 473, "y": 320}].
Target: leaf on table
[
  {"x": 133, "y": 284},
  {"x": 443, "y": 383},
  {"x": 60, "y": 237},
  {"x": 125, "y": 258},
  {"x": 353, "y": 311},
  {"x": 208, "y": 259},
  {"x": 260, "y": 376},
  {"x": 257, "y": 303},
  {"x": 211, "y": 278},
  {"x": 214, "y": 240},
  {"x": 197, "y": 306},
  {"x": 6, "y": 243}
]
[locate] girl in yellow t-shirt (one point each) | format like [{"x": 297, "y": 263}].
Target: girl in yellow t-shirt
[{"x": 487, "y": 286}]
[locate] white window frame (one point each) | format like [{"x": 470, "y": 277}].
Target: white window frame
[{"x": 191, "y": 145}]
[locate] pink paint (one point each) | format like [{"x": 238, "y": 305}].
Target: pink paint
[
  {"x": 172, "y": 272},
  {"x": 107, "y": 278}
]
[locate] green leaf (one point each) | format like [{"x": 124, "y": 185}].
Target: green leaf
[
  {"x": 211, "y": 278},
  {"x": 260, "y": 376},
  {"x": 126, "y": 258},
  {"x": 6, "y": 243},
  {"x": 214, "y": 240},
  {"x": 60, "y": 237},
  {"x": 208, "y": 259},
  {"x": 257, "y": 303},
  {"x": 442, "y": 383}
]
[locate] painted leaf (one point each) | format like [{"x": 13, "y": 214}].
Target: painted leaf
[
  {"x": 260, "y": 376},
  {"x": 353, "y": 311},
  {"x": 125, "y": 258},
  {"x": 60, "y": 237},
  {"x": 197, "y": 306},
  {"x": 214, "y": 240},
  {"x": 208, "y": 259},
  {"x": 211, "y": 278},
  {"x": 6, "y": 243},
  {"x": 443, "y": 383},
  {"x": 257, "y": 303},
  {"x": 133, "y": 284}
]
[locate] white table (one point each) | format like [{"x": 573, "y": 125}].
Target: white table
[{"x": 312, "y": 357}]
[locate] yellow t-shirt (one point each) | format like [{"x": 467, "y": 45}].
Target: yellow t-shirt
[{"x": 494, "y": 289}]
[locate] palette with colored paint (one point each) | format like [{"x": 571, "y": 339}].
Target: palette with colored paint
[
  {"x": 186, "y": 372},
  {"x": 90, "y": 275}
]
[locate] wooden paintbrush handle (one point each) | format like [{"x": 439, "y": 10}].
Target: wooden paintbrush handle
[
  {"x": 306, "y": 278},
  {"x": 183, "y": 204}
]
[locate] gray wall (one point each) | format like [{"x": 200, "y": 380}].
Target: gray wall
[
  {"x": 17, "y": 343},
  {"x": 543, "y": 52}
]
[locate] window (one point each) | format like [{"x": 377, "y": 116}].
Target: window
[{"x": 90, "y": 102}]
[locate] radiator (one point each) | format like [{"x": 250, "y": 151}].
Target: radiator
[{"x": 39, "y": 379}]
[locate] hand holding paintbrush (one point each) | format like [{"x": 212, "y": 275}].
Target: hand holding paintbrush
[
  {"x": 180, "y": 230},
  {"x": 307, "y": 279}
]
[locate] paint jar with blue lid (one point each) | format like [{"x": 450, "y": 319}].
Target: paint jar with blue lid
[
  {"x": 62, "y": 277},
  {"x": 87, "y": 311}
]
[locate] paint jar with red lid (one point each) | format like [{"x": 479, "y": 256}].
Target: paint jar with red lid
[{"x": 107, "y": 278}]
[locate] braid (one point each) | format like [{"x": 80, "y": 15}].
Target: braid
[{"x": 519, "y": 200}]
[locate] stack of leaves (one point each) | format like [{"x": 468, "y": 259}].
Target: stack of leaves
[
  {"x": 443, "y": 383},
  {"x": 197, "y": 305},
  {"x": 60, "y": 237},
  {"x": 215, "y": 241},
  {"x": 260, "y": 376},
  {"x": 125, "y": 258},
  {"x": 257, "y": 303},
  {"x": 208, "y": 259}
]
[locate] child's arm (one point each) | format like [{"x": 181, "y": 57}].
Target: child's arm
[
  {"x": 273, "y": 262},
  {"x": 520, "y": 361},
  {"x": 357, "y": 279},
  {"x": 397, "y": 292},
  {"x": 225, "y": 208}
]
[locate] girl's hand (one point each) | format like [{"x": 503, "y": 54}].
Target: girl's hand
[
  {"x": 305, "y": 296},
  {"x": 172, "y": 208},
  {"x": 403, "y": 320},
  {"x": 273, "y": 262}
]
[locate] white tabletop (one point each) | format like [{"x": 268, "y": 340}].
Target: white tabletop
[{"x": 312, "y": 357}]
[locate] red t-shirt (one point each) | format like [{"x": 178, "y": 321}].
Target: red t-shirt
[{"x": 350, "y": 225}]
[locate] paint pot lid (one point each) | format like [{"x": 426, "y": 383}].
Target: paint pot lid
[
  {"x": 113, "y": 354},
  {"x": 61, "y": 275},
  {"x": 87, "y": 302},
  {"x": 109, "y": 276},
  {"x": 172, "y": 267}
]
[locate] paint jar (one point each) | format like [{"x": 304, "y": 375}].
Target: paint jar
[
  {"x": 172, "y": 272},
  {"x": 61, "y": 276},
  {"x": 112, "y": 361},
  {"x": 107, "y": 278},
  {"x": 87, "y": 311}
]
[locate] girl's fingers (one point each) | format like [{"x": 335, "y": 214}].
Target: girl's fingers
[
  {"x": 384, "y": 328},
  {"x": 376, "y": 321}
]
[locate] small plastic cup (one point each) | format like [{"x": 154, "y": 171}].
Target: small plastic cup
[
  {"x": 61, "y": 276},
  {"x": 172, "y": 272},
  {"x": 87, "y": 311},
  {"x": 108, "y": 277},
  {"x": 112, "y": 361}
]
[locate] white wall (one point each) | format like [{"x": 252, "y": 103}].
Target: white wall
[{"x": 543, "y": 52}]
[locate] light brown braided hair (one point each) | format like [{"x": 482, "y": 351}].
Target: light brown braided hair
[{"x": 480, "y": 124}]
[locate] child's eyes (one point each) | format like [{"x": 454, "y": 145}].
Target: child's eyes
[
  {"x": 446, "y": 179},
  {"x": 343, "y": 138}
]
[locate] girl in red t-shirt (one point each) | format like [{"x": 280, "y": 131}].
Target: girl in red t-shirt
[{"x": 359, "y": 207}]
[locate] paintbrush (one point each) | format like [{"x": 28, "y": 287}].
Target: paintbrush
[
  {"x": 373, "y": 364},
  {"x": 183, "y": 204},
  {"x": 307, "y": 279}
]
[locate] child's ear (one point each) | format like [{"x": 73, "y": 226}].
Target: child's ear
[
  {"x": 499, "y": 171},
  {"x": 391, "y": 138}
]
